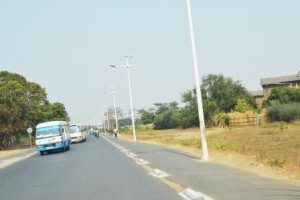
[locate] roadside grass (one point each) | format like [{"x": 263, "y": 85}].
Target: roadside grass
[{"x": 275, "y": 145}]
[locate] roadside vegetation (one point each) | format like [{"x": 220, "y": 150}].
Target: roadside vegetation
[
  {"x": 267, "y": 135},
  {"x": 275, "y": 145},
  {"x": 23, "y": 104}
]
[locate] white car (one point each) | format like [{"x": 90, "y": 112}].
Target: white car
[{"x": 77, "y": 133}]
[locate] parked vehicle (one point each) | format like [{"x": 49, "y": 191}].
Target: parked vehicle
[
  {"x": 78, "y": 133},
  {"x": 52, "y": 136}
]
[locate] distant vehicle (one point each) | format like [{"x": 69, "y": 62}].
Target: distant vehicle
[
  {"x": 52, "y": 136},
  {"x": 78, "y": 133}
]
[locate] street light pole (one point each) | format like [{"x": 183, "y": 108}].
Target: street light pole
[
  {"x": 103, "y": 121},
  {"x": 107, "y": 117},
  {"x": 197, "y": 82},
  {"x": 126, "y": 58},
  {"x": 115, "y": 108}
]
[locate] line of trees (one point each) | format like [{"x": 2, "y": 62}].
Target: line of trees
[
  {"x": 24, "y": 104},
  {"x": 221, "y": 95}
]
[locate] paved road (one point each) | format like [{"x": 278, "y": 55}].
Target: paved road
[
  {"x": 214, "y": 180},
  {"x": 109, "y": 168},
  {"x": 93, "y": 170}
]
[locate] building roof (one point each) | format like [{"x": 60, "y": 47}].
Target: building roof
[
  {"x": 257, "y": 93},
  {"x": 280, "y": 80}
]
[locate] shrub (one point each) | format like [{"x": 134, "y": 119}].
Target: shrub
[
  {"x": 222, "y": 119},
  {"x": 284, "y": 112},
  {"x": 168, "y": 119}
]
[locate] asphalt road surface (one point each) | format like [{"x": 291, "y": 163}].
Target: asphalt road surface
[
  {"x": 92, "y": 170},
  {"x": 111, "y": 169}
]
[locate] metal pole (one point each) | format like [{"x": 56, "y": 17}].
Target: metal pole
[
  {"x": 29, "y": 131},
  {"x": 30, "y": 140},
  {"x": 116, "y": 116},
  {"x": 103, "y": 121},
  {"x": 130, "y": 96},
  {"x": 107, "y": 117},
  {"x": 100, "y": 122},
  {"x": 205, "y": 155}
]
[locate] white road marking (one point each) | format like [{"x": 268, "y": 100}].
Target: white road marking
[
  {"x": 131, "y": 155},
  {"x": 142, "y": 162},
  {"x": 189, "y": 194},
  {"x": 158, "y": 173},
  {"x": 124, "y": 150}
]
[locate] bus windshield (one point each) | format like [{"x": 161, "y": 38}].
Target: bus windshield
[
  {"x": 74, "y": 129},
  {"x": 50, "y": 130}
]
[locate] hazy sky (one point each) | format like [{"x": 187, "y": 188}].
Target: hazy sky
[{"x": 66, "y": 47}]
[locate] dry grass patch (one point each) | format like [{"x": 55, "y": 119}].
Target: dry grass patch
[{"x": 276, "y": 146}]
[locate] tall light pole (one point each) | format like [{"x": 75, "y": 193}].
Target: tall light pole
[
  {"x": 107, "y": 117},
  {"x": 115, "y": 108},
  {"x": 197, "y": 82},
  {"x": 103, "y": 121},
  {"x": 126, "y": 66}
]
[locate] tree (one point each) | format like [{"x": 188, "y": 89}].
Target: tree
[
  {"x": 224, "y": 91},
  {"x": 242, "y": 106},
  {"x": 22, "y": 104},
  {"x": 125, "y": 122},
  {"x": 147, "y": 117},
  {"x": 190, "y": 111},
  {"x": 160, "y": 107},
  {"x": 168, "y": 119},
  {"x": 19, "y": 101},
  {"x": 282, "y": 95},
  {"x": 219, "y": 94},
  {"x": 55, "y": 112},
  {"x": 167, "y": 115}
]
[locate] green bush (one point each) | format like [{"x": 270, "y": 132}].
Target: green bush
[
  {"x": 284, "y": 112},
  {"x": 168, "y": 119}
]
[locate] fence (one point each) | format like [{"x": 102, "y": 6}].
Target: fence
[{"x": 243, "y": 121}]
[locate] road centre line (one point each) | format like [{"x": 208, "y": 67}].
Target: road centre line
[
  {"x": 158, "y": 173},
  {"x": 130, "y": 154},
  {"x": 189, "y": 194},
  {"x": 142, "y": 162}
]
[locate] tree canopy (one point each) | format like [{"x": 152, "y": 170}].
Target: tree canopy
[
  {"x": 283, "y": 95},
  {"x": 24, "y": 104},
  {"x": 219, "y": 95},
  {"x": 224, "y": 92}
]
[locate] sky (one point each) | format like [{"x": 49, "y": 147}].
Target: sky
[{"x": 66, "y": 46}]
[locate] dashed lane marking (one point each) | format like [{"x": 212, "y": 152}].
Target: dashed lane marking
[
  {"x": 142, "y": 162},
  {"x": 186, "y": 194},
  {"x": 158, "y": 173},
  {"x": 189, "y": 194}
]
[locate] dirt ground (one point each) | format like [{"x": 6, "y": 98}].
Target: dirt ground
[{"x": 9, "y": 152}]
